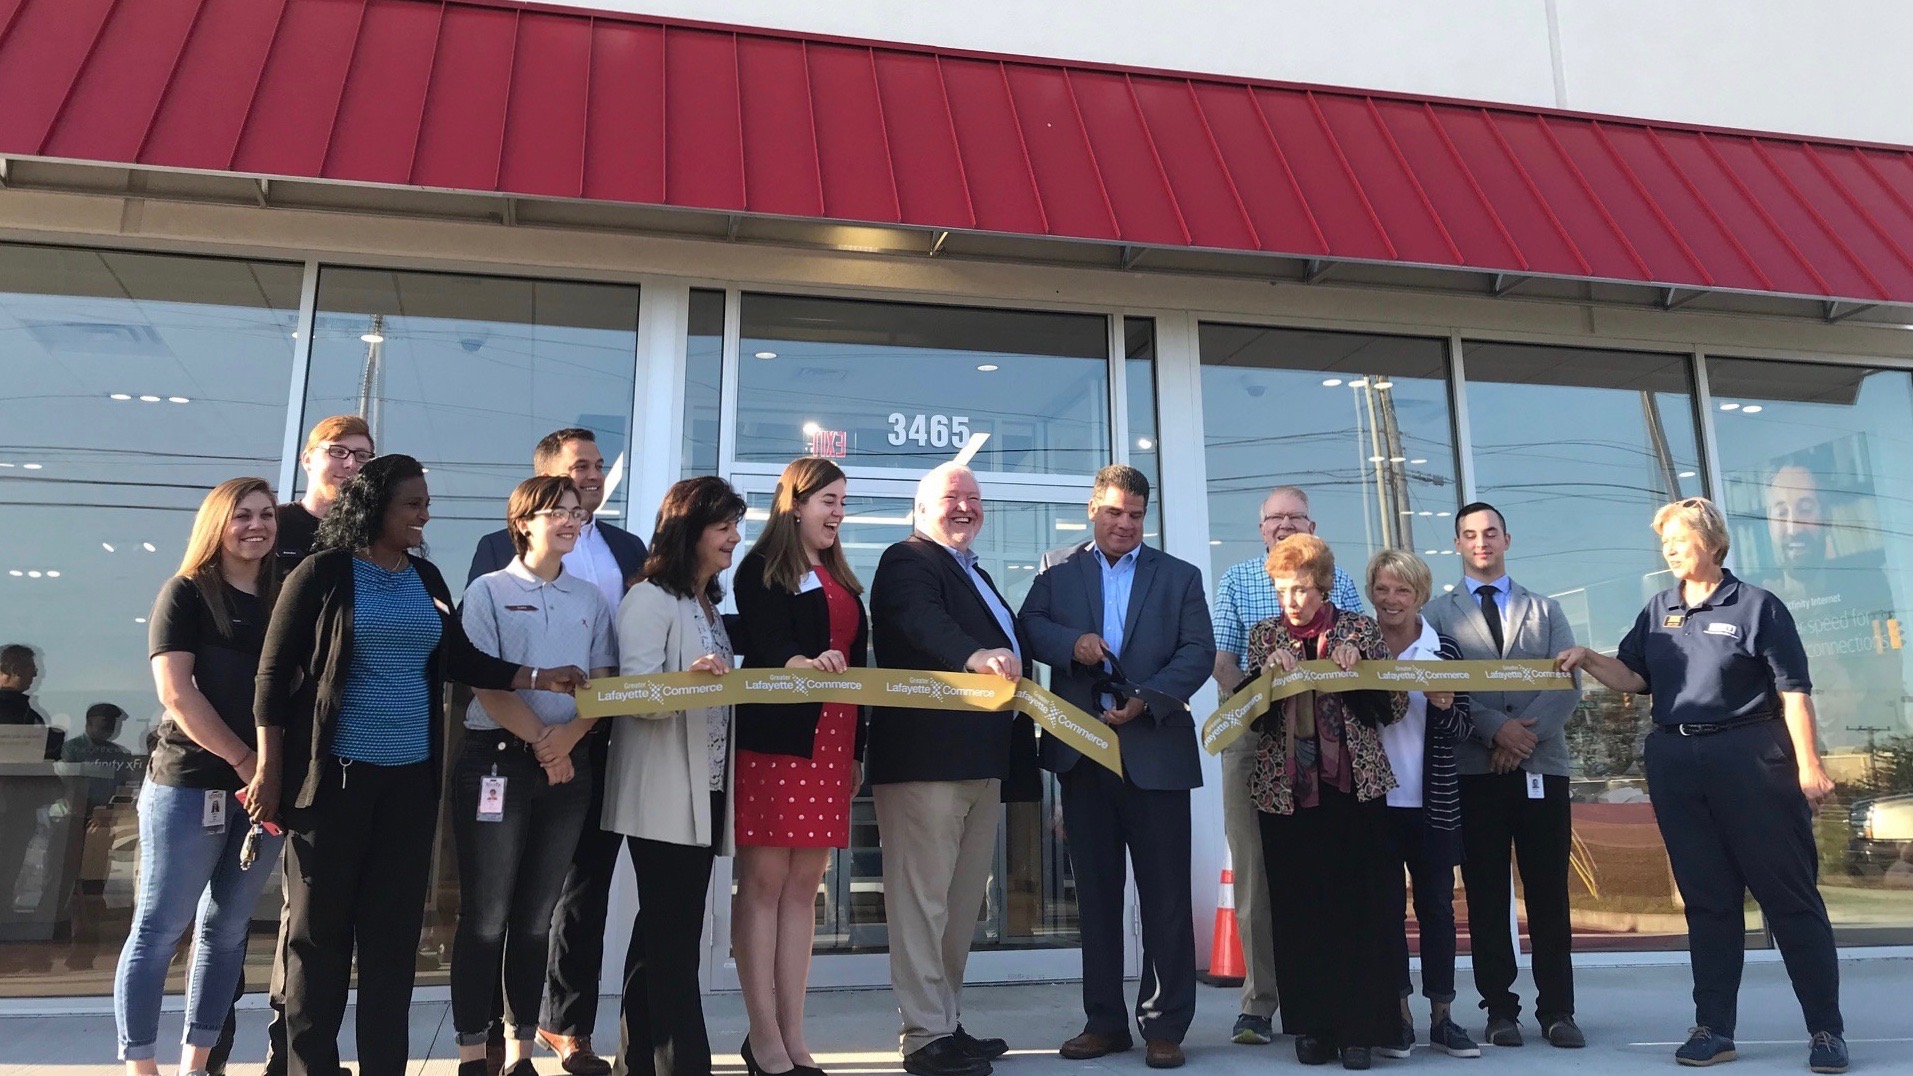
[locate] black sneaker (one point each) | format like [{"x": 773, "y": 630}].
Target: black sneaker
[
  {"x": 1252, "y": 1030},
  {"x": 1704, "y": 1047},
  {"x": 1829, "y": 1053},
  {"x": 1400, "y": 1049},
  {"x": 1356, "y": 1058},
  {"x": 1310, "y": 1050},
  {"x": 1503, "y": 1031},
  {"x": 1448, "y": 1037},
  {"x": 981, "y": 1049}
]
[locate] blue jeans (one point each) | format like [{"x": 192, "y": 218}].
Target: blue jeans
[
  {"x": 1434, "y": 884},
  {"x": 189, "y": 877}
]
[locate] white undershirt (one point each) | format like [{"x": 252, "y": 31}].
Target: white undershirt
[
  {"x": 1405, "y": 739},
  {"x": 591, "y": 561}
]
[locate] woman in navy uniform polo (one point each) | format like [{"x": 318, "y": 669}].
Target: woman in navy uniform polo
[{"x": 1734, "y": 774}]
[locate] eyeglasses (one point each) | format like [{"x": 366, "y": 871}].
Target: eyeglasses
[
  {"x": 575, "y": 515},
  {"x": 340, "y": 452},
  {"x": 1289, "y": 518}
]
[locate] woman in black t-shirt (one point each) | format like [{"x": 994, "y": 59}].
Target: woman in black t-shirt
[{"x": 206, "y": 632}]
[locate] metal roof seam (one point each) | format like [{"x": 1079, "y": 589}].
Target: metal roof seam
[
  {"x": 1155, "y": 156},
  {"x": 1640, "y": 188},
  {"x": 1348, "y": 170},
  {"x": 1547, "y": 207},
  {"x": 1089, "y": 147},
  {"x": 1819, "y": 218},
  {"x": 1474, "y": 184},
  {"x": 1414, "y": 180},
  {"x": 1766, "y": 215},
  {"x": 1036, "y": 187},
  {"x": 1288, "y": 171},
  {"x": 1222, "y": 164},
  {"x": 425, "y": 99},
  {"x": 956, "y": 143},
  {"x": 883, "y": 131}
]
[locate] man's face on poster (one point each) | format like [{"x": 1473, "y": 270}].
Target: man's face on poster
[{"x": 1796, "y": 518}]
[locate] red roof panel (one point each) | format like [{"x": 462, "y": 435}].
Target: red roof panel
[{"x": 519, "y": 99}]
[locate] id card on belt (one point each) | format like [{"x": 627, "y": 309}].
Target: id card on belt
[
  {"x": 213, "y": 815},
  {"x": 491, "y": 799},
  {"x": 1537, "y": 789}
]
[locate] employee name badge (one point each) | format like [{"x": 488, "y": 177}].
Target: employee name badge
[
  {"x": 810, "y": 583},
  {"x": 1535, "y": 788},
  {"x": 491, "y": 799},
  {"x": 213, "y": 815},
  {"x": 1673, "y": 620}
]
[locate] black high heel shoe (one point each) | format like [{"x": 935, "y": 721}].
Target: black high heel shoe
[
  {"x": 754, "y": 1069},
  {"x": 810, "y": 1070}
]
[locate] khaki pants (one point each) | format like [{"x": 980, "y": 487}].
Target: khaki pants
[
  {"x": 939, "y": 839},
  {"x": 1244, "y": 834}
]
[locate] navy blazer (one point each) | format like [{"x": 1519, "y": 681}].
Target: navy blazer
[
  {"x": 1168, "y": 646},
  {"x": 495, "y": 551}
]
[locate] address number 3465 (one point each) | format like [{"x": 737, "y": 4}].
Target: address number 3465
[{"x": 935, "y": 431}]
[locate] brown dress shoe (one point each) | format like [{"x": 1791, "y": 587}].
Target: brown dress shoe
[
  {"x": 574, "y": 1054},
  {"x": 1090, "y": 1044},
  {"x": 1162, "y": 1054}
]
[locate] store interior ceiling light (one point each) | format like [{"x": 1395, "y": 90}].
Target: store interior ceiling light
[
  {"x": 177, "y": 399},
  {"x": 1418, "y": 461},
  {"x": 149, "y": 547},
  {"x": 765, "y": 355},
  {"x": 988, "y": 368},
  {"x": 1752, "y": 409},
  {"x": 30, "y": 466},
  {"x": 1331, "y": 382},
  {"x": 1384, "y": 384},
  {"x": 1730, "y": 407},
  {"x": 1145, "y": 443},
  {"x": 108, "y": 546},
  {"x": 149, "y": 399},
  {"x": 372, "y": 338},
  {"x": 120, "y": 396}
]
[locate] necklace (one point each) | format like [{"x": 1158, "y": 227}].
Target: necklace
[{"x": 399, "y": 567}]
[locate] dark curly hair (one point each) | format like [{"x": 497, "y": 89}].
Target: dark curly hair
[
  {"x": 689, "y": 507},
  {"x": 358, "y": 516}
]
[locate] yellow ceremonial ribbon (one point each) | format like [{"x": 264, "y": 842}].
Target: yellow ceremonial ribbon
[
  {"x": 664, "y": 692},
  {"x": 1253, "y": 699}
]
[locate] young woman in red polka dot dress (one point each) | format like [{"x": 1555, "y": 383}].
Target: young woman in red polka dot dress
[{"x": 797, "y": 764}]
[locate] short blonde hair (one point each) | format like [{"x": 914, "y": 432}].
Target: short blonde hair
[
  {"x": 1303, "y": 556},
  {"x": 1703, "y": 520},
  {"x": 1407, "y": 567}
]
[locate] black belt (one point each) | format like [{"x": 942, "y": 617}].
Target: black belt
[
  {"x": 498, "y": 739},
  {"x": 1709, "y": 728}
]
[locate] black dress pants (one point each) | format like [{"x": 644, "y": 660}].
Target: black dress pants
[
  {"x": 576, "y": 961},
  {"x": 1333, "y": 882},
  {"x": 357, "y": 865},
  {"x": 1734, "y": 820},
  {"x": 1106, "y": 815},
  {"x": 661, "y": 1016},
  {"x": 1501, "y": 826}
]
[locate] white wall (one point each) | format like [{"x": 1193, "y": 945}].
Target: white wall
[{"x": 1835, "y": 68}]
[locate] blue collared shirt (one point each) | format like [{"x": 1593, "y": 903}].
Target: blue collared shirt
[
  {"x": 1004, "y": 618},
  {"x": 1501, "y": 585},
  {"x": 1118, "y": 580}
]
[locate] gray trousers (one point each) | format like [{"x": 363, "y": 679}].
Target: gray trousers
[
  {"x": 939, "y": 840},
  {"x": 1244, "y": 834}
]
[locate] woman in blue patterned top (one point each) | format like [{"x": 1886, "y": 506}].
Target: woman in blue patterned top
[{"x": 357, "y": 653}]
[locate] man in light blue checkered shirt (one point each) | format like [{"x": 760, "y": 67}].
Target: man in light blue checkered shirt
[{"x": 1244, "y": 598}]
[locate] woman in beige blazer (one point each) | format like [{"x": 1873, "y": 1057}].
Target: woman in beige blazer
[{"x": 668, "y": 777}]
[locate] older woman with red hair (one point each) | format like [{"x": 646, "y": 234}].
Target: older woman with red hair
[{"x": 1320, "y": 780}]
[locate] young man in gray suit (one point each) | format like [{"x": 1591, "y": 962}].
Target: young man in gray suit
[
  {"x": 1514, "y": 784},
  {"x": 1115, "y": 601}
]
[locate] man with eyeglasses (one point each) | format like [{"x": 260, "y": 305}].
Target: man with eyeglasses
[
  {"x": 335, "y": 450},
  {"x": 608, "y": 557},
  {"x": 1244, "y": 598}
]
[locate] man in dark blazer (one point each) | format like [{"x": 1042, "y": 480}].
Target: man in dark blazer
[
  {"x": 1514, "y": 783},
  {"x": 610, "y": 558},
  {"x": 940, "y": 777},
  {"x": 1115, "y": 597}
]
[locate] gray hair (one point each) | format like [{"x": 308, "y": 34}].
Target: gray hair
[{"x": 933, "y": 481}]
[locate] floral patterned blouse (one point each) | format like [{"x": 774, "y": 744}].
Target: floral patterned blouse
[{"x": 1272, "y": 777}]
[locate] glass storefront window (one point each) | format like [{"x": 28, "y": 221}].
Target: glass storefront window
[
  {"x": 134, "y": 383},
  {"x": 467, "y": 373},
  {"x": 703, "y": 381},
  {"x": 1360, "y": 422},
  {"x": 1817, "y": 465},
  {"x": 1578, "y": 447},
  {"x": 1139, "y": 382},
  {"x": 1031, "y": 900},
  {"x": 909, "y": 385}
]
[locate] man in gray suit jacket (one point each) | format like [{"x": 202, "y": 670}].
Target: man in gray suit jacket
[
  {"x": 1514, "y": 783},
  {"x": 1116, "y": 603}
]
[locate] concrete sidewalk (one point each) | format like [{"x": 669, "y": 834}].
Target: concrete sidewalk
[{"x": 1633, "y": 1016}]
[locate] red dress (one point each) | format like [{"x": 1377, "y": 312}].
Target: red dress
[{"x": 784, "y": 801}]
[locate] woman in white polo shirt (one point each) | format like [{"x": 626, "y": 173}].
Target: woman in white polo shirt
[{"x": 521, "y": 791}]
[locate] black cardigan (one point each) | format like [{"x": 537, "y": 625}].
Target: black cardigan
[
  {"x": 308, "y": 655},
  {"x": 777, "y": 626}
]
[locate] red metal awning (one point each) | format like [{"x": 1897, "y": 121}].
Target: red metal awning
[{"x": 545, "y": 102}]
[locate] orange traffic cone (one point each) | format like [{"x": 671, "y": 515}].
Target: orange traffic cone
[{"x": 1225, "y": 945}]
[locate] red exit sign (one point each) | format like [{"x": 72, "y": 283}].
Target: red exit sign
[{"x": 830, "y": 444}]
